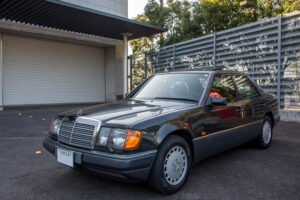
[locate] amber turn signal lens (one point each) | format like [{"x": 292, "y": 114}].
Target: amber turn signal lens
[{"x": 132, "y": 139}]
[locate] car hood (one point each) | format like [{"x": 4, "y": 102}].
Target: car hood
[{"x": 128, "y": 112}]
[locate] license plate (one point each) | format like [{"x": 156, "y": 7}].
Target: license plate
[{"x": 65, "y": 157}]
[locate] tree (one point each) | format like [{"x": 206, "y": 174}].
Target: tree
[
  {"x": 186, "y": 20},
  {"x": 215, "y": 15},
  {"x": 272, "y": 8},
  {"x": 181, "y": 23},
  {"x": 176, "y": 17},
  {"x": 155, "y": 14}
]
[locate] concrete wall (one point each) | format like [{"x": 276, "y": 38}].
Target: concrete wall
[
  {"x": 115, "y": 7},
  {"x": 113, "y": 72},
  {"x": 1, "y": 74},
  {"x": 119, "y": 74},
  {"x": 290, "y": 115},
  {"x": 113, "y": 55}
]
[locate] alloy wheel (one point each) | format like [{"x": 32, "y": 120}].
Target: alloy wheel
[{"x": 175, "y": 165}]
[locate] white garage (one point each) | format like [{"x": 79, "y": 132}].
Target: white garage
[
  {"x": 38, "y": 71},
  {"x": 64, "y": 52}
]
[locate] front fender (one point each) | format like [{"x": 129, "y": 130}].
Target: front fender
[{"x": 168, "y": 129}]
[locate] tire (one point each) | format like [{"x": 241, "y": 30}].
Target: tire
[
  {"x": 264, "y": 138},
  {"x": 171, "y": 165}
]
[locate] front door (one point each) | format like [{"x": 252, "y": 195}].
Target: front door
[
  {"x": 229, "y": 116},
  {"x": 221, "y": 121}
]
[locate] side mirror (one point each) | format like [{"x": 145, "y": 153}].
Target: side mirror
[{"x": 217, "y": 101}]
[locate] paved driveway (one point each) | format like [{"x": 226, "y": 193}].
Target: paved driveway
[{"x": 242, "y": 173}]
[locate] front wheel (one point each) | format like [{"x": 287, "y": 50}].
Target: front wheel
[
  {"x": 265, "y": 137},
  {"x": 171, "y": 165}
]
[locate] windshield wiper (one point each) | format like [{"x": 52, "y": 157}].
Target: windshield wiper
[{"x": 174, "y": 98}]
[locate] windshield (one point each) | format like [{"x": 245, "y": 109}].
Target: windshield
[{"x": 189, "y": 86}]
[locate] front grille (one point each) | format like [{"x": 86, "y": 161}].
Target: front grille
[{"x": 76, "y": 134}]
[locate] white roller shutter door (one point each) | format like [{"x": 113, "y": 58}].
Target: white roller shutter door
[{"x": 38, "y": 71}]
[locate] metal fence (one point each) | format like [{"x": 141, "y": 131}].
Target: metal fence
[{"x": 267, "y": 50}]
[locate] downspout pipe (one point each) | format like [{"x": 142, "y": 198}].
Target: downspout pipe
[
  {"x": 125, "y": 63},
  {"x": 1, "y": 73}
]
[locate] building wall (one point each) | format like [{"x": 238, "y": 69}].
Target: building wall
[
  {"x": 115, "y": 7},
  {"x": 1, "y": 74},
  {"x": 114, "y": 72}
]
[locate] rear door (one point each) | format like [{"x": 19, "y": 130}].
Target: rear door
[
  {"x": 231, "y": 125},
  {"x": 249, "y": 104}
]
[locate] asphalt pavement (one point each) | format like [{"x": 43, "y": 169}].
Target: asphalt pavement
[{"x": 27, "y": 171}]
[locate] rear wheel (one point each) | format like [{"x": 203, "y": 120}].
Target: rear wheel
[
  {"x": 265, "y": 137},
  {"x": 171, "y": 165}
]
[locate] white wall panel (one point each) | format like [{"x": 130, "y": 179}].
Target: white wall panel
[
  {"x": 40, "y": 71},
  {"x": 1, "y": 74},
  {"x": 115, "y": 7}
]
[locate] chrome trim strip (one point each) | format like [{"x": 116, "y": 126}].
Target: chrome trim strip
[
  {"x": 259, "y": 121},
  {"x": 72, "y": 131}
]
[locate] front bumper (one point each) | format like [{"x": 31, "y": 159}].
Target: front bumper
[{"x": 124, "y": 167}]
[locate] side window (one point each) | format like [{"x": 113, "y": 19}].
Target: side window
[
  {"x": 243, "y": 86},
  {"x": 223, "y": 87},
  {"x": 255, "y": 92}
]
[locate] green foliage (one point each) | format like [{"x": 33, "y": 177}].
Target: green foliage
[
  {"x": 271, "y": 8},
  {"x": 185, "y": 20},
  {"x": 216, "y": 16}
]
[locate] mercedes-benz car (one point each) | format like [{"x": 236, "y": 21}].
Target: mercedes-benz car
[{"x": 168, "y": 123}]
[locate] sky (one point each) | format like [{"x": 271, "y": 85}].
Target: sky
[{"x": 136, "y": 7}]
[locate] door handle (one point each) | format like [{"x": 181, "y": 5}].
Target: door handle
[
  {"x": 240, "y": 109},
  {"x": 241, "y": 112}
]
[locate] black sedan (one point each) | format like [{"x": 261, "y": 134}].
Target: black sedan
[{"x": 168, "y": 123}]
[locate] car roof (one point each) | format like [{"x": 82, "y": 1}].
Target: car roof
[{"x": 215, "y": 71}]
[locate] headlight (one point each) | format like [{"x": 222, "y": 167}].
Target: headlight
[
  {"x": 55, "y": 126},
  {"x": 119, "y": 138},
  {"x": 103, "y": 136}
]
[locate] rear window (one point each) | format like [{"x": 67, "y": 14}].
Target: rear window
[{"x": 243, "y": 86}]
